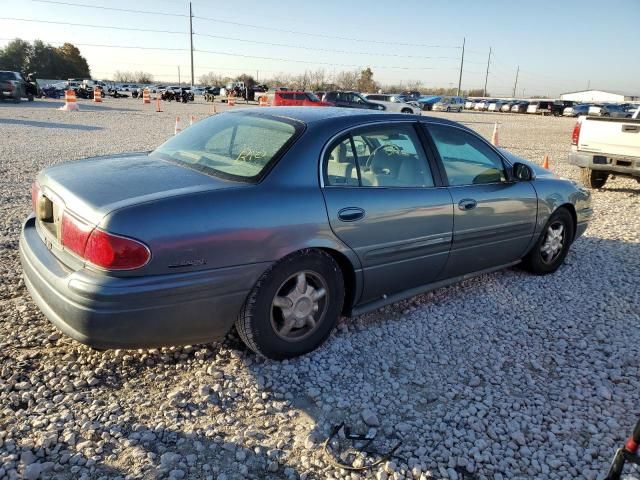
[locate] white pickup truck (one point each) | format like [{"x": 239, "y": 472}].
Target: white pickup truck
[{"x": 603, "y": 146}]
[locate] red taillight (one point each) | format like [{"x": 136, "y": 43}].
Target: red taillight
[
  {"x": 35, "y": 193},
  {"x": 575, "y": 136},
  {"x": 74, "y": 234},
  {"x": 114, "y": 252},
  {"x": 102, "y": 249}
]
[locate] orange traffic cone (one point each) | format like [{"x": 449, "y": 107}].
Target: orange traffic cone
[
  {"x": 177, "y": 128},
  {"x": 146, "y": 96},
  {"x": 545, "y": 162},
  {"x": 192, "y": 120},
  {"x": 70, "y": 101},
  {"x": 494, "y": 137},
  {"x": 97, "y": 95},
  {"x": 158, "y": 104},
  {"x": 263, "y": 102}
]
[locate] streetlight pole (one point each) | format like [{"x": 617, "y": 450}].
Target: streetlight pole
[
  {"x": 461, "y": 65},
  {"x": 486, "y": 77}
]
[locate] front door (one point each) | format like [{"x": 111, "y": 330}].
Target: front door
[
  {"x": 494, "y": 218},
  {"x": 383, "y": 202}
]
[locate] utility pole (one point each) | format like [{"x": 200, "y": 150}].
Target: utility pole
[
  {"x": 486, "y": 77},
  {"x": 461, "y": 65},
  {"x": 257, "y": 75},
  {"x": 588, "y": 84},
  {"x": 179, "y": 82},
  {"x": 191, "y": 39},
  {"x": 516, "y": 84}
]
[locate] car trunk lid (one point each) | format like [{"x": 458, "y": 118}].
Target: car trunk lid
[{"x": 92, "y": 188}]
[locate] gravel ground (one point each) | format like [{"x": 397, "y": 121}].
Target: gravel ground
[{"x": 504, "y": 376}]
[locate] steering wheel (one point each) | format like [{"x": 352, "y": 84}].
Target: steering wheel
[{"x": 389, "y": 148}]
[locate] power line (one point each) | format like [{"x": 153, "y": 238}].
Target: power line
[
  {"x": 133, "y": 47},
  {"x": 91, "y": 25},
  {"x": 148, "y": 12},
  {"x": 321, "y": 35},
  {"x": 313, "y": 62},
  {"x": 230, "y": 22},
  {"x": 329, "y": 50}
]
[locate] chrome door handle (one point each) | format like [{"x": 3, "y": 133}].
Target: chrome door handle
[
  {"x": 351, "y": 214},
  {"x": 467, "y": 204}
]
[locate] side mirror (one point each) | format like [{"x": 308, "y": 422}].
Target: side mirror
[{"x": 522, "y": 172}]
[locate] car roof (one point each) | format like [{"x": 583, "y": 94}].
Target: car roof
[{"x": 349, "y": 116}]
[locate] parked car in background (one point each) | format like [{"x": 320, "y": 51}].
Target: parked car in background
[
  {"x": 602, "y": 147},
  {"x": 279, "y": 221},
  {"x": 576, "y": 110},
  {"x": 506, "y": 107},
  {"x": 469, "y": 103},
  {"x": 350, "y": 100},
  {"x": 426, "y": 103},
  {"x": 449, "y": 104},
  {"x": 12, "y": 86},
  {"x": 496, "y": 105},
  {"x": 520, "y": 107},
  {"x": 558, "y": 106},
  {"x": 298, "y": 98},
  {"x": 482, "y": 105},
  {"x": 320, "y": 94},
  {"x": 411, "y": 95},
  {"x": 627, "y": 111},
  {"x": 611, "y": 110},
  {"x": 392, "y": 103},
  {"x": 540, "y": 107}
]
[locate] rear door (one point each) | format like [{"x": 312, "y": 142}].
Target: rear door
[
  {"x": 384, "y": 201},
  {"x": 494, "y": 218}
]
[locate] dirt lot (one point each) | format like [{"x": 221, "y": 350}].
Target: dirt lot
[{"x": 503, "y": 376}]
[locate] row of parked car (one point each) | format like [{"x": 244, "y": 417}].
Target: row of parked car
[{"x": 567, "y": 108}]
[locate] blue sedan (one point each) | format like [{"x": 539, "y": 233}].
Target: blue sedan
[{"x": 278, "y": 221}]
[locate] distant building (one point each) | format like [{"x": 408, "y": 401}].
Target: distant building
[{"x": 599, "y": 96}]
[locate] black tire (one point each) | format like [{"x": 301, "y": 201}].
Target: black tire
[
  {"x": 406, "y": 110},
  {"x": 593, "y": 178},
  {"x": 257, "y": 322},
  {"x": 535, "y": 261}
]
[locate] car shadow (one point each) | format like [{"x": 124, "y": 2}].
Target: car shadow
[
  {"x": 634, "y": 191},
  {"x": 39, "y": 124},
  {"x": 214, "y": 400}
]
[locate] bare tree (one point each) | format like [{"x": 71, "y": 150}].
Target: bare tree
[
  {"x": 213, "y": 79},
  {"x": 137, "y": 77},
  {"x": 347, "y": 80}
]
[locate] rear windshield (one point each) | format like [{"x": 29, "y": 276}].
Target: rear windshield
[
  {"x": 235, "y": 146},
  {"x": 7, "y": 76}
]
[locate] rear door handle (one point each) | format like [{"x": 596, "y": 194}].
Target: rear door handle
[
  {"x": 467, "y": 204},
  {"x": 630, "y": 128},
  {"x": 351, "y": 214}
]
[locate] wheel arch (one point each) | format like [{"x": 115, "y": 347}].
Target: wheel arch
[
  {"x": 574, "y": 216},
  {"x": 348, "y": 275}
]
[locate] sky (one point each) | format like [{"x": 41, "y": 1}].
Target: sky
[{"x": 559, "y": 45}]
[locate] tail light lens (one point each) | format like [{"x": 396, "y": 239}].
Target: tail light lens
[
  {"x": 114, "y": 252},
  {"x": 575, "y": 136},
  {"x": 35, "y": 193},
  {"x": 102, "y": 249}
]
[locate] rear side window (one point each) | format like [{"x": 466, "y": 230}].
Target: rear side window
[
  {"x": 467, "y": 159},
  {"x": 385, "y": 156},
  {"x": 237, "y": 146}
]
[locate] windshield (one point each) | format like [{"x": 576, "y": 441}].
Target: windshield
[
  {"x": 236, "y": 146},
  {"x": 7, "y": 76}
]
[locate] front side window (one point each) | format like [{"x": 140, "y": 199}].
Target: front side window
[
  {"x": 385, "y": 156},
  {"x": 237, "y": 146},
  {"x": 467, "y": 159}
]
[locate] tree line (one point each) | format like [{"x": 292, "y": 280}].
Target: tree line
[
  {"x": 44, "y": 60},
  {"x": 320, "y": 80}
]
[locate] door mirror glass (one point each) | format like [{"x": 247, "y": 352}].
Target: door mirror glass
[{"x": 522, "y": 172}]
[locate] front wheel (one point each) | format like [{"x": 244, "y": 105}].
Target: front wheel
[
  {"x": 406, "y": 110},
  {"x": 294, "y": 306},
  {"x": 593, "y": 178},
  {"x": 553, "y": 245}
]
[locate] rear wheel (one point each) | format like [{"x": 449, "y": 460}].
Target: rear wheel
[
  {"x": 553, "y": 245},
  {"x": 294, "y": 306},
  {"x": 406, "y": 110},
  {"x": 593, "y": 178}
]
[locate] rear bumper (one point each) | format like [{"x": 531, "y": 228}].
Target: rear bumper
[
  {"x": 618, "y": 165},
  {"x": 134, "y": 312}
]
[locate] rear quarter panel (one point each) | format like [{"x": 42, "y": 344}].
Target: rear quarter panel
[{"x": 610, "y": 136}]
